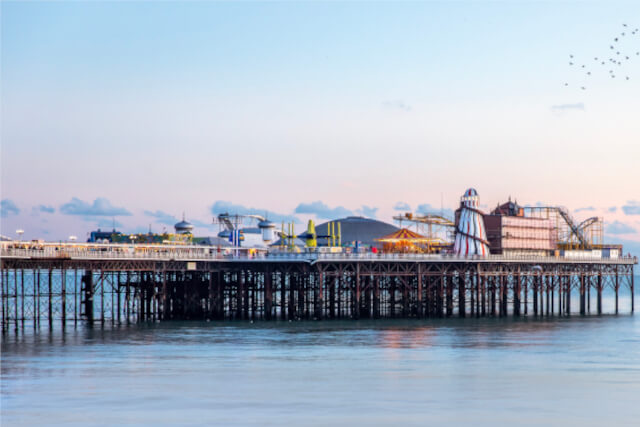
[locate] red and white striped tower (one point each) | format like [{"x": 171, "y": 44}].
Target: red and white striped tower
[{"x": 471, "y": 233}]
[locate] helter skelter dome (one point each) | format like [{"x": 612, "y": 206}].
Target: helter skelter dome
[{"x": 471, "y": 234}]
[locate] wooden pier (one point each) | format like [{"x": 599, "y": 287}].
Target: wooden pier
[{"x": 43, "y": 289}]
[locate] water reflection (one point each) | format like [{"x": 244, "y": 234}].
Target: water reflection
[{"x": 476, "y": 371}]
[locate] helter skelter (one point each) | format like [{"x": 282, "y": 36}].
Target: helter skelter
[{"x": 471, "y": 233}]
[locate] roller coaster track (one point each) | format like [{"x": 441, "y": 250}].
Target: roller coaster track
[{"x": 579, "y": 229}]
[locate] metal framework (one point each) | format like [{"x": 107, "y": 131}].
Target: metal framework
[
  {"x": 439, "y": 230},
  {"x": 37, "y": 290},
  {"x": 570, "y": 234}
]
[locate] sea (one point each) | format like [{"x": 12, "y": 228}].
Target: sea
[{"x": 566, "y": 371}]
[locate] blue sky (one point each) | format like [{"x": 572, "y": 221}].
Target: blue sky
[{"x": 295, "y": 106}]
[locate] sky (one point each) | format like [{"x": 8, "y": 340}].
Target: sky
[{"x": 133, "y": 113}]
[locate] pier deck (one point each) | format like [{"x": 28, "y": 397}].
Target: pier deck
[{"x": 114, "y": 283}]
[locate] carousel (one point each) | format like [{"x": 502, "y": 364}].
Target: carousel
[{"x": 405, "y": 241}]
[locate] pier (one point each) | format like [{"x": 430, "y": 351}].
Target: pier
[{"x": 113, "y": 283}]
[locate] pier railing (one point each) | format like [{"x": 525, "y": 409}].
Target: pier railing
[
  {"x": 443, "y": 257},
  {"x": 212, "y": 253}
]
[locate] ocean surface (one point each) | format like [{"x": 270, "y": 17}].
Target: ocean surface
[{"x": 529, "y": 371}]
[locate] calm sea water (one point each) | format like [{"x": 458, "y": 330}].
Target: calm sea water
[{"x": 556, "y": 371}]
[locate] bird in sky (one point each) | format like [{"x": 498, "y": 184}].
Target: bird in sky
[{"x": 621, "y": 54}]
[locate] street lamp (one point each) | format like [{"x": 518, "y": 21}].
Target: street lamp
[
  {"x": 133, "y": 238},
  {"x": 19, "y": 232},
  {"x": 73, "y": 238}
]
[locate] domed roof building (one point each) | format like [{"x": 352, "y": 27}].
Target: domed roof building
[
  {"x": 184, "y": 227},
  {"x": 357, "y": 229}
]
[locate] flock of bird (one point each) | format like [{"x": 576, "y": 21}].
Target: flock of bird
[{"x": 616, "y": 57}]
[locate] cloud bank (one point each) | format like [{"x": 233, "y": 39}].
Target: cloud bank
[
  {"x": 43, "y": 209},
  {"x": 396, "y": 105},
  {"x": 631, "y": 208},
  {"x": 321, "y": 210},
  {"x": 586, "y": 209},
  {"x": 567, "y": 107},
  {"x": 223, "y": 206},
  {"x": 367, "y": 211},
  {"x": 162, "y": 217},
  {"x": 618, "y": 227},
  {"x": 426, "y": 208},
  {"x": 402, "y": 206},
  {"x": 99, "y": 207},
  {"x": 7, "y": 207}
]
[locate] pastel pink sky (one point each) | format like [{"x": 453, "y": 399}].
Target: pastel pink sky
[{"x": 171, "y": 108}]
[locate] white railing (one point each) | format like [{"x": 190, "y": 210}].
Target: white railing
[
  {"x": 106, "y": 252},
  {"x": 89, "y": 254},
  {"x": 444, "y": 257},
  {"x": 113, "y": 251}
]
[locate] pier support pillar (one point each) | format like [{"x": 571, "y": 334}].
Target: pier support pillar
[
  {"x": 440, "y": 296},
  {"x": 582, "y": 295},
  {"x": 449, "y": 285},
  {"x": 358, "y": 286},
  {"x": 536, "y": 283},
  {"x": 632, "y": 291},
  {"x": 420, "y": 306},
  {"x": 617, "y": 287},
  {"x": 405, "y": 297},
  {"x": 319, "y": 297},
  {"x": 599, "y": 296},
  {"x": 293, "y": 287},
  {"x": 332, "y": 298},
  {"x": 376, "y": 297},
  {"x": 483, "y": 295},
  {"x": 63, "y": 290},
  {"x": 87, "y": 282},
  {"x": 245, "y": 295},
  {"x": 268, "y": 297},
  {"x": 462, "y": 303},
  {"x": 492, "y": 296},
  {"x": 568, "y": 297},
  {"x": 589, "y": 285},
  {"x": 516, "y": 294}
]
